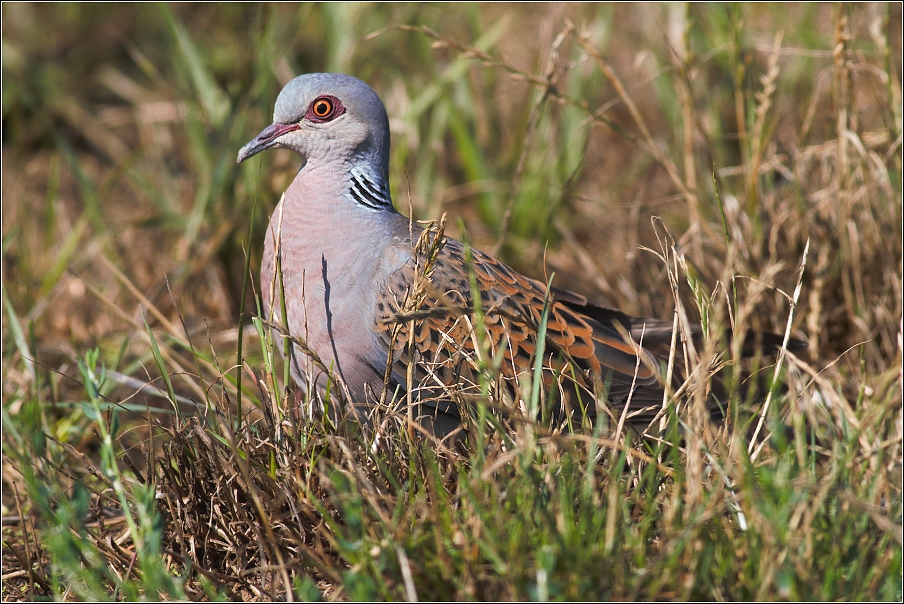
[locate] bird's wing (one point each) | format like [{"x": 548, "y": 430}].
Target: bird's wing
[{"x": 583, "y": 353}]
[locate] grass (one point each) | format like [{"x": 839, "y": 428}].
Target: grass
[{"x": 766, "y": 140}]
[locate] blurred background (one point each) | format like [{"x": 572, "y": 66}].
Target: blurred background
[{"x": 122, "y": 202}]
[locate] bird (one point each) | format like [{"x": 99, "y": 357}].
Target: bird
[{"x": 400, "y": 314}]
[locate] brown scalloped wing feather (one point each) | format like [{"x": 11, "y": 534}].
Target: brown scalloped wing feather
[{"x": 581, "y": 355}]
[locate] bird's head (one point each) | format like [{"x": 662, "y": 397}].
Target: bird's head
[{"x": 327, "y": 117}]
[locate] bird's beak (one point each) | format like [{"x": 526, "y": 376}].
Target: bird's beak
[{"x": 268, "y": 138}]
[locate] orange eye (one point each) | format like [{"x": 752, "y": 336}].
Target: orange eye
[{"x": 322, "y": 107}]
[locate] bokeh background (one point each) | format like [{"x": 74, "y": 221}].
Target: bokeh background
[{"x": 121, "y": 125}]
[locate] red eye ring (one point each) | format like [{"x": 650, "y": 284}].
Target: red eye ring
[{"x": 323, "y": 109}]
